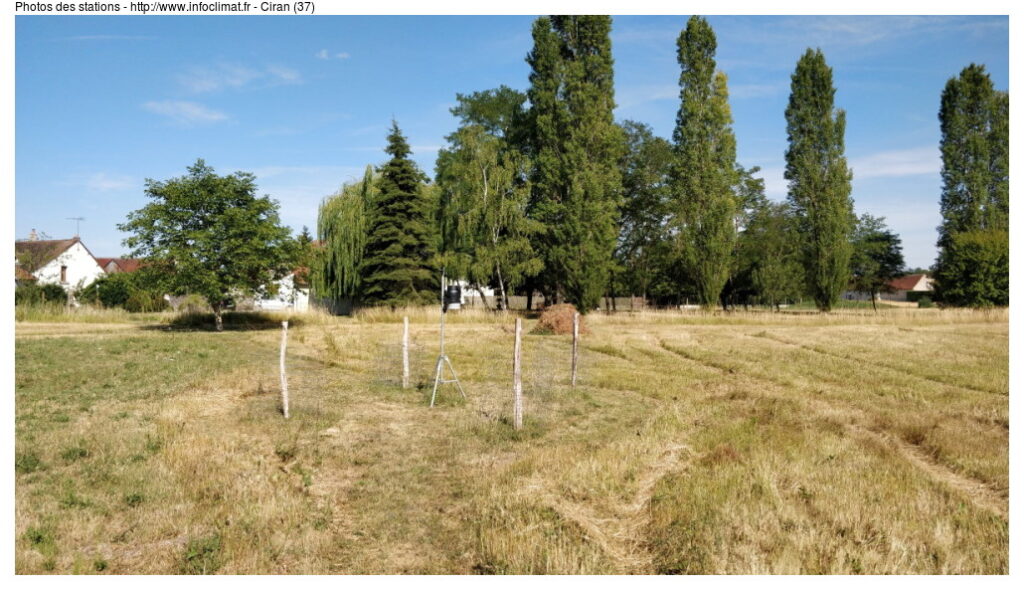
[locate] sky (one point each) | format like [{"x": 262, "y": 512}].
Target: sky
[{"x": 105, "y": 102}]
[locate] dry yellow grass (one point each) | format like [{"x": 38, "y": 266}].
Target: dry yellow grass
[{"x": 696, "y": 443}]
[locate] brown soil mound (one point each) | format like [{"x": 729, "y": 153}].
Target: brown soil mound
[{"x": 557, "y": 319}]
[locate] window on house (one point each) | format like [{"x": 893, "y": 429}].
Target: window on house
[{"x": 63, "y": 274}]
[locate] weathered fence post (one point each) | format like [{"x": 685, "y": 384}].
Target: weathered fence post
[
  {"x": 405, "y": 352},
  {"x": 575, "y": 346},
  {"x": 517, "y": 377},
  {"x": 284, "y": 375}
]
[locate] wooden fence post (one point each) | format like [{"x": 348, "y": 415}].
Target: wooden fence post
[
  {"x": 284, "y": 375},
  {"x": 517, "y": 377},
  {"x": 405, "y": 352},
  {"x": 575, "y": 346}
]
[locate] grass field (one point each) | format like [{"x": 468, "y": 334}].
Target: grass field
[{"x": 743, "y": 443}]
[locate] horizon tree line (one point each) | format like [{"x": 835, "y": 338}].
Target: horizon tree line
[{"x": 543, "y": 191}]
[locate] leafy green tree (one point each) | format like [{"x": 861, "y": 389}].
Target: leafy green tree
[
  {"x": 399, "y": 266},
  {"x": 705, "y": 174},
  {"x": 343, "y": 226},
  {"x": 750, "y": 200},
  {"x": 819, "y": 179},
  {"x": 576, "y": 147},
  {"x": 974, "y": 120},
  {"x": 877, "y": 256},
  {"x": 643, "y": 231},
  {"x": 769, "y": 245},
  {"x": 500, "y": 111},
  {"x": 210, "y": 235},
  {"x": 486, "y": 208},
  {"x": 980, "y": 259}
]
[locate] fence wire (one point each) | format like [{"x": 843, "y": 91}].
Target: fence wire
[{"x": 482, "y": 357}]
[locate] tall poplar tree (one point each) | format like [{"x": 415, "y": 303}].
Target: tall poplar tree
[
  {"x": 575, "y": 146},
  {"x": 973, "y": 264},
  {"x": 399, "y": 266},
  {"x": 545, "y": 120},
  {"x": 705, "y": 173},
  {"x": 819, "y": 179}
]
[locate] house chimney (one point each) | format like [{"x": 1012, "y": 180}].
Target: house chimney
[{"x": 32, "y": 235}]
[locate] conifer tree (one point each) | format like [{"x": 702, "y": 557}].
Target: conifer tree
[
  {"x": 819, "y": 179},
  {"x": 705, "y": 173},
  {"x": 974, "y": 120},
  {"x": 399, "y": 266}
]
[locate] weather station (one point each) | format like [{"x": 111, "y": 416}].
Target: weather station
[{"x": 451, "y": 300}]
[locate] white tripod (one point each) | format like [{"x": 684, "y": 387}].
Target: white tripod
[{"x": 442, "y": 359}]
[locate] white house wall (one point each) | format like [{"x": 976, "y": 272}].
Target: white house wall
[
  {"x": 288, "y": 297},
  {"x": 82, "y": 269}
]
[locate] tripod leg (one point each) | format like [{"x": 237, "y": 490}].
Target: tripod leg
[
  {"x": 456, "y": 377},
  {"x": 437, "y": 379}
]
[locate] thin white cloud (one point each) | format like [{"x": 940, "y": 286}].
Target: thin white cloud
[
  {"x": 632, "y": 96},
  {"x": 895, "y": 163},
  {"x": 284, "y": 75},
  {"x": 102, "y": 182},
  {"x": 99, "y": 182},
  {"x": 228, "y": 76},
  {"x": 184, "y": 112},
  {"x": 744, "y": 91},
  {"x": 324, "y": 54}
]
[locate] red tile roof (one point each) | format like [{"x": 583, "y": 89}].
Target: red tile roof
[
  {"x": 906, "y": 283},
  {"x": 125, "y": 264}
]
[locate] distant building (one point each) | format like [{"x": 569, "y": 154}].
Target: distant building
[
  {"x": 67, "y": 263},
  {"x": 292, "y": 292},
  {"x": 908, "y": 288},
  {"x": 116, "y": 265}
]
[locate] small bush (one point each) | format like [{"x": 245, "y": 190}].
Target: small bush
[
  {"x": 202, "y": 556},
  {"x": 39, "y": 294},
  {"x": 39, "y": 536},
  {"x": 72, "y": 454},
  {"x": 925, "y": 301},
  {"x": 557, "y": 319},
  {"x": 145, "y": 301},
  {"x": 27, "y": 463},
  {"x": 236, "y": 320}
]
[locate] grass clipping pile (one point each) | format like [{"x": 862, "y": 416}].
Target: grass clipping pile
[{"x": 557, "y": 319}]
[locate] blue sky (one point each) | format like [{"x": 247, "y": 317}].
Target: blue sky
[{"x": 104, "y": 102}]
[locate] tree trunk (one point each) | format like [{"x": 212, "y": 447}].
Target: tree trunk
[
  {"x": 218, "y": 321},
  {"x": 501, "y": 288},
  {"x": 873, "y": 306},
  {"x": 529, "y": 298},
  {"x": 483, "y": 297}
]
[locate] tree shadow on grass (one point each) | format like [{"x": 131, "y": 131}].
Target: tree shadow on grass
[{"x": 233, "y": 321}]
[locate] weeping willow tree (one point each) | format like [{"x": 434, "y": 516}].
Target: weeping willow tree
[{"x": 342, "y": 227}]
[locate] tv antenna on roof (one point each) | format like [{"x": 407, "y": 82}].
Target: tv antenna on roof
[
  {"x": 451, "y": 298},
  {"x": 78, "y": 222}
]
